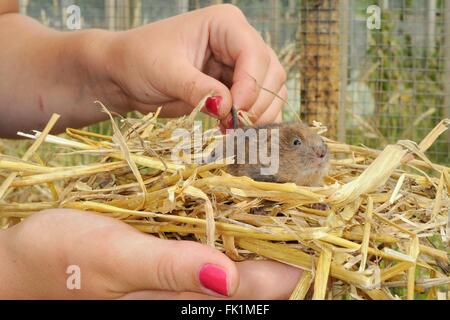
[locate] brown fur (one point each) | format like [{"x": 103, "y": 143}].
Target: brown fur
[{"x": 300, "y": 164}]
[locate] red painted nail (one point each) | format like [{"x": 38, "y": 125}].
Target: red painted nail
[
  {"x": 230, "y": 124},
  {"x": 222, "y": 128},
  {"x": 212, "y": 104},
  {"x": 214, "y": 278}
]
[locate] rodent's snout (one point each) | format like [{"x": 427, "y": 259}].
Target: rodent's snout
[{"x": 321, "y": 151}]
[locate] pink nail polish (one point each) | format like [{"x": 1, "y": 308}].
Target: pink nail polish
[
  {"x": 212, "y": 104},
  {"x": 214, "y": 278},
  {"x": 222, "y": 128},
  {"x": 230, "y": 124}
]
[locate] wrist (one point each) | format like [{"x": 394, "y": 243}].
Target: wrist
[{"x": 95, "y": 57}]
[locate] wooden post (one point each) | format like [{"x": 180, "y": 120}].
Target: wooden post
[
  {"x": 446, "y": 77},
  {"x": 431, "y": 27},
  {"x": 123, "y": 15},
  {"x": 24, "y": 7},
  {"x": 275, "y": 23},
  {"x": 136, "y": 9},
  {"x": 110, "y": 14},
  {"x": 344, "y": 29},
  {"x": 183, "y": 6},
  {"x": 319, "y": 69}
]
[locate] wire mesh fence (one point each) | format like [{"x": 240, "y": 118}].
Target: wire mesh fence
[{"x": 373, "y": 71}]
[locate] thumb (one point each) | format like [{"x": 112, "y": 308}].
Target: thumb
[
  {"x": 145, "y": 262},
  {"x": 192, "y": 86}
]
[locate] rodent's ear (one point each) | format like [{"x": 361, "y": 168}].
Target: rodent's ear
[{"x": 302, "y": 124}]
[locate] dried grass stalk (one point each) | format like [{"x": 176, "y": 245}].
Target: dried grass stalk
[
  {"x": 321, "y": 276},
  {"x": 384, "y": 227},
  {"x": 302, "y": 288}
]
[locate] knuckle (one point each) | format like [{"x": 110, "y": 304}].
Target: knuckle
[
  {"x": 166, "y": 275},
  {"x": 282, "y": 76},
  {"x": 44, "y": 218},
  {"x": 265, "y": 56},
  {"x": 232, "y": 9},
  {"x": 50, "y": 213},
  {"x": 280, "y": 71},
  {"x": 189, "y": 89}
]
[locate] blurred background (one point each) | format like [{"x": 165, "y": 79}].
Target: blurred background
[{"x": 370, "y": 83}]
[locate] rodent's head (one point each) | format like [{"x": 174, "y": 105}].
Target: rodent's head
[{"x": 304, "y": 156}]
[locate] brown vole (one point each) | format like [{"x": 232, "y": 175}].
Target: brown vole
[{"x": 303, "y": 155}]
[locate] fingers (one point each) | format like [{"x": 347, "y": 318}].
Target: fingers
[
  {"x": 259, "y": 280},
  {"x": 140, "y": 262},
  {"x": 266, "y": 280},
  {"x": 174, "y": 108},
  {"x": 219, "y": 71},
  {"x": 237, "y": 62},
  {"x": 235, "y": 43},
  {"x": 273, "y": 111},
  {"x": 279, "y": 117},
  {"x": 274, "y": 84},
  {"x": 192, "y": 85},
  {"x": 114, "y": 259},
  {"x": 238, "y": 45},
  {"x": 250, "y": 70}
]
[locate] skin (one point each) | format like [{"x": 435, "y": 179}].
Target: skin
[
  {"x": 202, "y": 51},
  {"x": 44, "y": 71}
]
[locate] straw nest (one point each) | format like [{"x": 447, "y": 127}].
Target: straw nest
[{"x": 382, "y": 234}]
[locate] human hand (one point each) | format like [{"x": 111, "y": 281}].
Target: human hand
[
  {"x": 117, "y": 261},
  {"x": 177, "y": 61}
]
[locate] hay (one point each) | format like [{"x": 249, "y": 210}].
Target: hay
[{"x": 382, "y": 235}]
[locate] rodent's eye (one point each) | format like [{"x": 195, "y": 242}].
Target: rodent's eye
[{"x": 297, "y": 142}]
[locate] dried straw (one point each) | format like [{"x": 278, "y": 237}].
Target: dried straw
[{"x": 384, "y": 227}]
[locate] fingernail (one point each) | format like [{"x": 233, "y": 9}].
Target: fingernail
[
  {"x": 222, "y": 128},
  {"x": 214, "y": 278},
  {"x": 229, "y": 123},
  {"x": 212, "y": 104}
]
